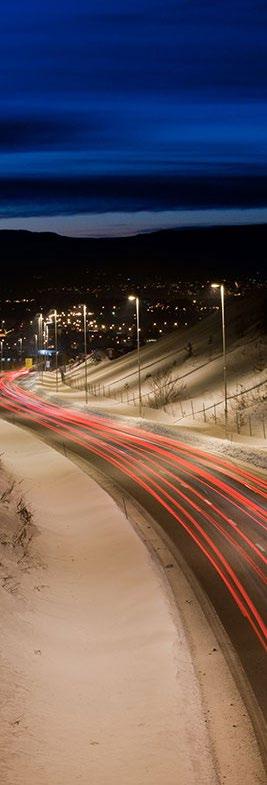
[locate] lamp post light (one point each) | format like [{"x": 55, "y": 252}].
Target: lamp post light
[
  {"x": 36, "y": 348},
  {"x": 221, "y": 287},
  {"x": 132, "y": 298},
  {"x": 20, "y": 348},
  {"x": 46, "y": 335},
  {"x": 2, "y": 353},
  {"x": 40, "y": 334},
  {"x": 55, "y": 317},
  {"x": 85, "y": 351}
]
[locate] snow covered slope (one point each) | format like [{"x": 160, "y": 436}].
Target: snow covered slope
[{"x": 182, "y": 374}]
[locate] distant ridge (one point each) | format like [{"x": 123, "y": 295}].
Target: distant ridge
[{"x": 229, "y": 251}]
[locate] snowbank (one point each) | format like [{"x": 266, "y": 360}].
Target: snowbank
[{"x": 98, "y": 681}]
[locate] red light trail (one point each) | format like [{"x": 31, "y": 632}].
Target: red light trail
[{"x": 219, "y": 506}]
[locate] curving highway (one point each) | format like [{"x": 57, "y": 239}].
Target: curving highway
[{"x": 213, "y": 510}]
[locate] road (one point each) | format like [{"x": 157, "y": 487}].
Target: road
[{"x": 213, "y": 510}]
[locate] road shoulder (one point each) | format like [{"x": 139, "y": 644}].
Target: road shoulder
[{"x": 99, "y": 681}]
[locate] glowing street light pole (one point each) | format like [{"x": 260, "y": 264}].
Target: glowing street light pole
[
  {"x": 221, "y": 287},
  {"x": 85, "y": 352},
  {"x": 20, "y": 348},
  {"x": 40, "y": 332},
  {"x": 46, "y": 335},
  {"x": 55, "y": 317},
  {"x": 36, "y": 348},
  {"x": 2, "y": 353},
  {"x": 137, "y": 304}
]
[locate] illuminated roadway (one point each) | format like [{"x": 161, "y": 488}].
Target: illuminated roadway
[{"x": 213, "y": 510}]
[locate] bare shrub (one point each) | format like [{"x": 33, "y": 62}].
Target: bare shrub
[
  {"x": 165, "y": 389},
  {"x": 246, "y": 400}
]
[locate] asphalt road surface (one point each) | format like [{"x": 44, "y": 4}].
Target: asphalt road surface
[{"x": 213, "y": 510}]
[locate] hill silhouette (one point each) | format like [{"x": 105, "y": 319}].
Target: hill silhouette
[{"x": 198, "y": 253}]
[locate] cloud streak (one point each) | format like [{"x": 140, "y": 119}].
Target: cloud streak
[{"x": 90, "y": 90}]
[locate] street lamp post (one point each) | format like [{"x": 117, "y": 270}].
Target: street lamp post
[
  {"x": 132, "y": 297},
  {"x": 20, "y": 349},
  {"x": 36, "y": 348},
  {"x": 2, "y": 353},
  {"x": 85, "y": 352},
  {"x": 40, "y": 331},
  {"x": 221, "y": 287},
  {"x": 46, "y": 336},
  {"x": 55, "y": 316}
]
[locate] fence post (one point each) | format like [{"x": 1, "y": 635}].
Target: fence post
[
  {"x": 182, "y": 413},
  {"x": 250, "y": 427},
  {"x": 204, "y": 413},
  {"x": 237, "y": 423},
  {"x": 263, "y": 427},
  {"x": 192, "y": 407},
  {"x": 215, "y": 413}
]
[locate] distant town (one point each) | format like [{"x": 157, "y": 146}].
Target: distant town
[{"x": 110, "y": 318}]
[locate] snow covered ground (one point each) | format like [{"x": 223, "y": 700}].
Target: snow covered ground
[
  {"x": 98, "y": 684},
  {"x": 182, "y": 376},
  {"x": 184, "y": 385},
  {"x": 90, "y": 649}
]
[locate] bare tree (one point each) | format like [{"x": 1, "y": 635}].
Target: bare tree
[{"x": 165, "y": 389}]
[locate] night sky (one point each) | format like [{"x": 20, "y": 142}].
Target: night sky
[{"x": 121, "y": 106}]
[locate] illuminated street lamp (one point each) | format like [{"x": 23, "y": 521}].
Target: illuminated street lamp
[
  {"x": 46, "y": 334},
  {"x": 85, "y": 352},
  {"x": 133, "y": 298},
  {"x": 20, "y": 348},
  {"x": 36, "y": 348},
  {"x": 40, "y": 334},
  {"x": 55, "y": 317},
  {"x": 51, "y": 315},
  {"x": 221, "y": 287},
  {"x": 2, "y": 353}
]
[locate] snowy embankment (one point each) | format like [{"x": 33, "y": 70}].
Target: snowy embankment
[
  {"x": 90, "y": 650},
  {"x": 182, "y": 376},
  {"x": 97, "y": 679}
]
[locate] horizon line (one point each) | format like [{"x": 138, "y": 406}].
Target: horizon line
[{"x": 129, "y": 223}]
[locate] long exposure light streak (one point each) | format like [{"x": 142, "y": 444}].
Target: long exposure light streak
[{"x": 195, "y": 488}]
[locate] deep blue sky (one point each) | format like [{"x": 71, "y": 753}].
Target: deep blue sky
[{"x": 105, "y": 91}]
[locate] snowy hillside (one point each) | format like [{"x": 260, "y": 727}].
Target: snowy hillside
[{"x": 182, "y": 374}]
